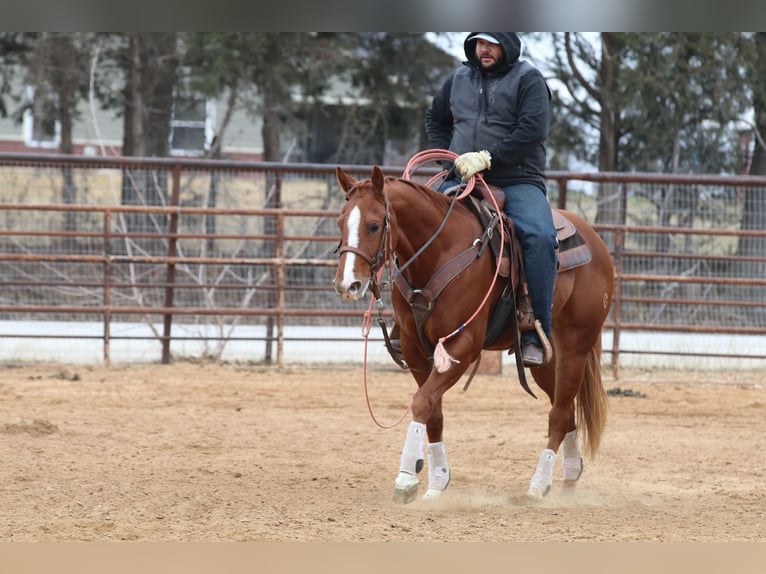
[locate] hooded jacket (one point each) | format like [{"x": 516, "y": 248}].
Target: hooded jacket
[{"x": 505, "y": 110}]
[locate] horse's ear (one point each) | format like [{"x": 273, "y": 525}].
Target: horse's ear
[
  {"x": 377, "y": 180},
  {"x": 345, "y": 180}
]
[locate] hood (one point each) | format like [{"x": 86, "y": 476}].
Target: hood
[{"x": 510, "y": 42}]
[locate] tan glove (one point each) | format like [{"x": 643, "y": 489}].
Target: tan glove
[{"x": 473, "y": 162}]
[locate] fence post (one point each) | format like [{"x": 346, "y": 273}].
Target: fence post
[
  {"x": 170, "y": 276},
  {"x": 619, "y": 244},
  {"x": 271, "y": 223},
  {"x": 107, "y": 285},
  {"x": 561, "y": 201},
  {"x": 619, "y": 239},
  {"x": 280, "y": 248}
]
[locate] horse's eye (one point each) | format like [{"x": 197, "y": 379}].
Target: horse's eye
[{"x": 374, "y": 228}]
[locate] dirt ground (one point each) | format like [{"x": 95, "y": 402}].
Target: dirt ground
[{"x": 201, "y": 452}]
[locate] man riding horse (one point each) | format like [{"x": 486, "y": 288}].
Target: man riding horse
[{"x": 494, "y": 112}]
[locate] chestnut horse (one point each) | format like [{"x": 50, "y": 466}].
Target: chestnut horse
[{"x": 402, "y": 223}]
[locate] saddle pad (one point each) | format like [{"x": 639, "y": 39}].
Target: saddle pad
[
  {"x": 573, "y": 251},
  {"x": 574, "y": 257},
  {"x": 564, "y": 228}
]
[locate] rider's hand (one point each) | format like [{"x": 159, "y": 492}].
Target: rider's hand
[{"x": 473, "y": 162}]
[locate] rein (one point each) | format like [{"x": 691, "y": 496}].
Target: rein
[
  {"x": 431, "y": 239},
  {"x": 367, "y": 322}
]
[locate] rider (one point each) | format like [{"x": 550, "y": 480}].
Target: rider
[{"x": 495, "y": 112}]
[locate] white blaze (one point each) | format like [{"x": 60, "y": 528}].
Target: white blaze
[{"x": 352, "y": 229}]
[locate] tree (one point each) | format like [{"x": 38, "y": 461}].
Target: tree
[
  {"x": 147, "y": 64},
  {"x": 54, "y": 71},
  {"x": 259, "y": 71},
  {"x": 151, "y": 60},
  {"x": 658, "y": 102},
  {"x": 754, "y": 207},
  {"x": 683, "y": 101},
  {"x": 589, "y": 104},
  {"x": 398, "y": 73},
  {"x": 47, "y": 62},
  {"x": 14, "y": 48}
]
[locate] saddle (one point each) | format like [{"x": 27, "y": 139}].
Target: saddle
[{"x": 572, "y": 252}]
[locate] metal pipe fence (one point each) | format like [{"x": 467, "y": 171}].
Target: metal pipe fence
[{"x": 171, "y": 242}]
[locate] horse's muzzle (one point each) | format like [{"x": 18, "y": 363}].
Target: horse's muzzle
[{"x": 352, "y": 292}]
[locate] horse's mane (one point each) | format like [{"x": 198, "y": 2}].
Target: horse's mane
[
  {"x": 401, "y": 185},
  {"x": 428, "y": 192}
]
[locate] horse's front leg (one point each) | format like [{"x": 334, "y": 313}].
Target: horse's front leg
[
  {"x": 426, "y": 406},
  {"x": 411, "y": 463},
  {"x": 438, "y": 470}
]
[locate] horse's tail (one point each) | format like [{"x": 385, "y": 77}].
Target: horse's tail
[{"x": 592, "y": 402}]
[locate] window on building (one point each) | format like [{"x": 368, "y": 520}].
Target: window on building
[
  {"x": 191, "y": 128},
  {"x": 40, "y": 121}
]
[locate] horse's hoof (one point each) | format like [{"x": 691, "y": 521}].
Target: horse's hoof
[
  {"x": 405, "y": 488},
  {"x": 405, "y": 495},
  {"x": 572, "y": 468},
  {"x": 538, "y": 492},
  {"x": 432, "y": 494}
]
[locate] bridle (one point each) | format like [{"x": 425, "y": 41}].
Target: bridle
[{"x": 376, "y": 261}]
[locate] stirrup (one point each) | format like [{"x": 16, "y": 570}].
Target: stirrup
[{"x": 546, "y": 344}]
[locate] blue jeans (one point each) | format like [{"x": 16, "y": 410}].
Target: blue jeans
[{"x": 527, "y": 206}]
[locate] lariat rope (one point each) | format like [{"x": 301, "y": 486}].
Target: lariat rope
[{"x": 442, "y": 358}]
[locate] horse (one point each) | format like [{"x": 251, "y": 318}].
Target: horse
[{"x": 420, "y": 231}]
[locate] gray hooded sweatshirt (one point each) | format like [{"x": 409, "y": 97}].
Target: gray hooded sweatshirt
[{"x": 505, "y": 110}]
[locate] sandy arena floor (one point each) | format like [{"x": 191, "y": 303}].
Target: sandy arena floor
[{"x": 194, "y": 452}]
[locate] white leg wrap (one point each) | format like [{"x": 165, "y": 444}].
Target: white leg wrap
[
  {"x": 438, "y": 470},
  {"x": 406, "y": 483},
  {"x": 413, "y": 448},
  {"x": 543, "y": 478},
  {"x": 572, "y": 463}
]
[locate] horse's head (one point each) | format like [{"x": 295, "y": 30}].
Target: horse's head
[{"x": 363, "y": 228}]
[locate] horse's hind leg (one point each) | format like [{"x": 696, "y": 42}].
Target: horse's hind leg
[
  {"x": 542, "y": 479},
  {"x": 571, "y": 463},
  {"x": 561, "y": 384}
]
